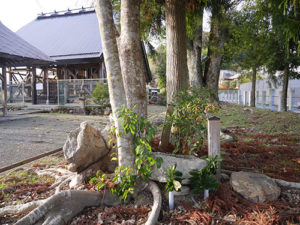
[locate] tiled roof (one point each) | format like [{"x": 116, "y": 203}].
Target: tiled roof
[
  {"x": 15, "y": 51},
  {"x": 66, "y": 35}
]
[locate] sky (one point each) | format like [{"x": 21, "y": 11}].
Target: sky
[{"x": 16, "y": 13}]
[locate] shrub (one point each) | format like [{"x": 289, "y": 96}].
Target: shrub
[
  {"x": 100, "y": 94},
  {"x": 189, "y": 118}
]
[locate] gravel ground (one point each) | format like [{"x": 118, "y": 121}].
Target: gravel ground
[
  {"x": 35, "y": 134},
  {"x": 38, "y": 133}
]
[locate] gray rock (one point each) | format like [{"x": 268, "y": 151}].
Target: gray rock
[
  {"x": 84, "y": 146},
  {"x": 184, "y": 164},
  {"x": 254, "y": 187},
  {"x": 226, "y": 138}
]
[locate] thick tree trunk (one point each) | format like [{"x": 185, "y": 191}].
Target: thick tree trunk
[
  {"x": 285, "y": 87},
  {"x": 114, "y": 77},
  {"x": 132, "y": 64},
  {"x": 218, "y": 35},
  {"x": 176, "y": 71},
  {"x": 252, "y": 103},
  {"x": 194, "y": 61}
]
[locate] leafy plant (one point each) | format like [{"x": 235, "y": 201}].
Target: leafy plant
[
  {"x": 142, "y": 132},
  {"x": 100, "y": 95},
  {"x": 174, "y": 179},
  {"x": 205, "y": 178},
  {"x": 189, "y": 118},
  {"x": 99, "y": 181},
  {"x": 126, "y": 180},
  {"x": 126, "y": 177}
]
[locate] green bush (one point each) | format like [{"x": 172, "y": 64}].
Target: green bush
[
  {"x": 101, "y": 95},
  {"x": 189, "y": 118}
]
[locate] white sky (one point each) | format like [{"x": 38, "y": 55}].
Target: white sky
[{"x": 16, "y": 13}]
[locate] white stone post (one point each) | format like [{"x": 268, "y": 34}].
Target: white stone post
[
  {"x": 245, "y": 97},
  {"x": 279, "y": 100},
  {"x": 214, "y": 139},
  {"x": 291, "y": 99},
  {"x": 239, "y": 97},
  {"x": 271, "y": 96},
  {"x": 264, "y": 99},
  {"x": 249, "y": 99}
]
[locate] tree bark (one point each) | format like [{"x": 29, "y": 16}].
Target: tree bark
[
  {"x": 285, "y": 87},
  {"x": 176, "y": 68},
  {"x": 253, "y": 87},
  {"x": 194, "y": 60},
  {"x": 218, "y": 36},
  {"x": 132, "y": 64},
  {"x": 114, "y": 76}
]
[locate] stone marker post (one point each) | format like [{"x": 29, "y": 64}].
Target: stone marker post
[{"x": 214, "y": 139}]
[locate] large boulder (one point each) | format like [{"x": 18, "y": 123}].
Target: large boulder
[
  {"x": 185, "y": 164},
  {"x": 254, "y": 187},
  {"x": 84, "y": 146}
]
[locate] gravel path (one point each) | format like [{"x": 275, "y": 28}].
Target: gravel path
[
  {"x": 35, "y": 134},
  {"x": 38, "y": 133}
]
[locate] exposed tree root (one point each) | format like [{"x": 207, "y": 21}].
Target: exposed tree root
[
  {"x": 287, "y": 184},
  {"x": 157, "y": 199},
  {"x": 61, "y": 207},
  {"x": 19, "y": 209}
]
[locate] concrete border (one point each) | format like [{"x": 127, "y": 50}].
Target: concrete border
[{"x": 3, "y": 169}]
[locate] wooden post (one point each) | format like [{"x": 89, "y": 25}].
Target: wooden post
[
  {"x": 33, "y": 87},
  {"x": 4, "y": 91},
  {"x": 214, "y": 139},
  {"x": 45, "y": 79},
  {"x": 10, "y": 86}
]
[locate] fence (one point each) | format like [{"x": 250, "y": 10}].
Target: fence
[
  {"x": 265, "y": 99},
  {"x": 69, "y": 91},
  {"x": 56, "y": 92}
]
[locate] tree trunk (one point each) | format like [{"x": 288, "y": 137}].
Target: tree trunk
[
  {"x": 285, "y": 87},
  {"x": 254, "y": 70},
  {"x": 218, "y": 35},
  {"x": 176, "y": 70},
  {"x": 132, "y": 64},
  {"x": 114, "y": 77},
  {"x": 194, "y": 61}
]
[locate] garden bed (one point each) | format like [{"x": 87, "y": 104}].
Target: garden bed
[{"x": 272, "y": 149}]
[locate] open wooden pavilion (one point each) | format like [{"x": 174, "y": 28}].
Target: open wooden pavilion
[
  {"x": 16, "y": 52},
  {"x": 72, "y": 39}
]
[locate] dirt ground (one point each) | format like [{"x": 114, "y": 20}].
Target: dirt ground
[
  {"x": 38, "y": 133},
  {"x": 265, "y": 142}
]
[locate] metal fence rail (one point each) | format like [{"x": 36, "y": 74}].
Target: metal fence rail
[
  {"x": 265, "y": 99},
  {"x": 68, "y": 91}
]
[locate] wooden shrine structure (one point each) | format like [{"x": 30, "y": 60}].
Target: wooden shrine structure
[{"x": 16, "y": 52}]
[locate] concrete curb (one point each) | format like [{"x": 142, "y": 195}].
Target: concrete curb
[{"x": 3, "y": 169}]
